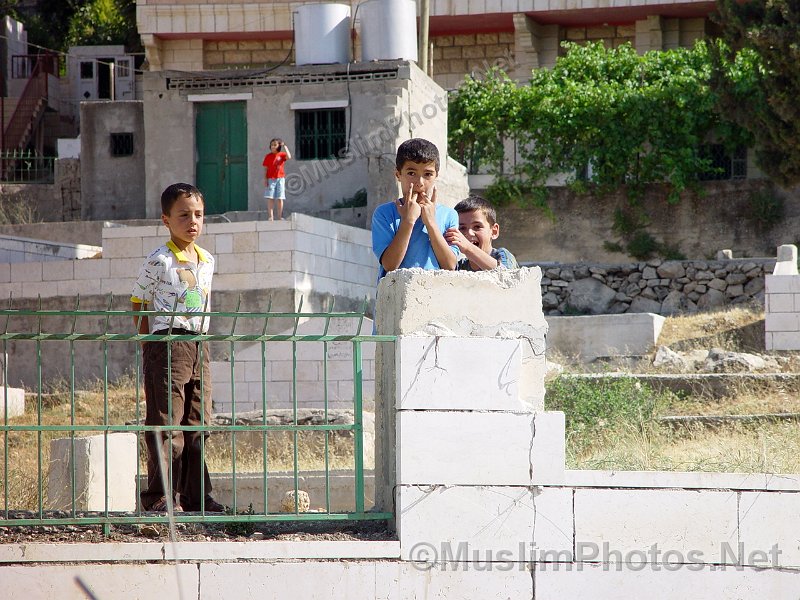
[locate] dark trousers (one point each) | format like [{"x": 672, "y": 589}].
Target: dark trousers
[{"x": 188, "y": 399}]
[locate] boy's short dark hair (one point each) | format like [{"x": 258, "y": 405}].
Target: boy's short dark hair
[
  {"x": 417, "y": 150},
  {"x": 177, "y": 190},
  {"x": 471, "y": 203},
  {"x": 279, "y": 140}
]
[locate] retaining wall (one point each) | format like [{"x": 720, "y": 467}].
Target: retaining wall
[{"x": 656, "y": 286}]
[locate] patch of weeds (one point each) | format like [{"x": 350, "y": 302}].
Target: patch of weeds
[
  {"x": 593, "y": 406},
  {"x": 642, "y": 245},
  {"x": 613, "y": 247},
  {"x": 240, "y": 528},
  {"x": 356, "y": 200},
  {"x": 765, "y": 209}
]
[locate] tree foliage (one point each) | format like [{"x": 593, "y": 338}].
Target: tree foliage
[
  {"x": 633, "y": 120},
  {"x": 100, "y": 22},
  {"x": 757, "y": 78}
]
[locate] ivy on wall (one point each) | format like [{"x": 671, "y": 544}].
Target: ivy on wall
[{"x": 604, "y": 118}]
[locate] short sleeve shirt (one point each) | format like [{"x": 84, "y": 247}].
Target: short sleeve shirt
[
  {"x": 504, "y": 258},
  {"x": 386, "y": 222},
  {"x": 167, "y": 275},
  {"x": 273, "y": 161}
]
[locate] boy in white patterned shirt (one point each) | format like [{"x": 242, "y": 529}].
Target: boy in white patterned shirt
[{"x": 177, "y": 277}]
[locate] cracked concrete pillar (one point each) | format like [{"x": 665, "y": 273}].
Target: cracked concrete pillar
[{"x": 459, "y": 408}]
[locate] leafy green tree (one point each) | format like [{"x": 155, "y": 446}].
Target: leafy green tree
[
  {"x": 49, "y": 24},
  {"x": 101, "y": 22},
  {"x": 634, "y": 120},
  {"x": 757, "y": 78}
]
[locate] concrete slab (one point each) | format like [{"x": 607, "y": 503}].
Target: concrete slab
[
  {"x": 694, "y": 480},
  {"x": 676, "y": 523},
  {"x": 465, "y": 582},
  {"x": 594, "y": 336},
  {"x": 463, "y": 448},
  {"x": 468, "y": 373},
  {"x": 462, "y": 523},
  {"x": 766, "y": 530},
  {"x": 310, "y": 580},
  {"x": 68, "y": 582},
  {"x": 549, "y": 448},
  {"x": 87, "y": 457},
  {"x": 14, "y": 399},
  {"x": 611, "y": 582}
]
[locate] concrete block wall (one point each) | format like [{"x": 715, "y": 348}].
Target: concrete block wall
[
  {"x": 782, "y": 302},
  {"x": 302, "y": 369},
  {"x": 455, "y": 56},
  {"x": 257, "y": 262},
  {"x": 17, "y": 249},
  {"x": 301, "y": 254}
]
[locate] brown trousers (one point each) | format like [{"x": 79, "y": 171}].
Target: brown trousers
[{"x": 188, "y": 399}]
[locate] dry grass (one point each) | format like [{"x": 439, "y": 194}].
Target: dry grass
[
  {"x": 739, "y": 328},
  {"x": 766, "y": 448}
]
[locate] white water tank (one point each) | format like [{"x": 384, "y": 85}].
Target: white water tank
[
  {"x": 322, "y": 34},
  {"x": 388, "y": 29}
]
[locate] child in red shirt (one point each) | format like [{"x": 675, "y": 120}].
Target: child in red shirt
[{"x": 274, "y": 177}]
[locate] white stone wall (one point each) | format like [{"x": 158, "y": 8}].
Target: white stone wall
[
  {"x": 297, "y": 373},
  {"x": 782, "y": 302},
  {"x": 301, "y": 254}
]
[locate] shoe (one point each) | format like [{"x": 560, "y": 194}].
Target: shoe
[
  {"x": 209, "y": 505},
  {"x": 160, "y": 505}
]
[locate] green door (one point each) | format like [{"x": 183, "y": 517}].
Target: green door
[{"x": 221, "y": 132}]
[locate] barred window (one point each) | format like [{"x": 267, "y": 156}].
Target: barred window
[
  {"x": 723, "y": 165},
  {"x": 320, "y": 133},
  {"x": 121, "y": 144}
]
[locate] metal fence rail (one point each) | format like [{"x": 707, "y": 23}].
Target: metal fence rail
[
  {"x": 26, "y": 166},
  {"x": 70, "y": 413}
]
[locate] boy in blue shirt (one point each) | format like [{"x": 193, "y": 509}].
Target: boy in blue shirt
[{"x": 409, "y": 232}]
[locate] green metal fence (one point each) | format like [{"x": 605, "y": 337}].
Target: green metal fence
[
  {"x": 26, "y": 166},
  {"x": 57, "y": 408}
]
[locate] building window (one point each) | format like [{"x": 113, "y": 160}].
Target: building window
[
  {"x": 320, "y": 133},
  {"x": 121, "y": 144},
  {"x": 87, "y": 70},
  {"x": 724, "y": 165},
  {"x": 123, "y": 67}
]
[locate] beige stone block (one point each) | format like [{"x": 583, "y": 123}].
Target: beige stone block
[
  {"x": 275, "y": 55},
  {"x": 575, "y": 33},
  {"x": 92, "y": 269},
  {"x": 626, "y": 30},
  {"x": 251, "y": 45},
  {"x": 498, "y": 51},
  {"x": 452, "y": 52},
  {"x": 59, "y": 270},
  {"x": 474, "y": 52},
  {"x": 505, "y": 37},
  {"x": 437, "y": 53},
  {"x": 237, "y": 57},
  {"x": 459, "y": 66},
  {"x": 463, "y": 40},
  {"x": 486, "y": 38},
  {"x": 245, "y": 242},
  {"x": 597, "y": 33},
  {"x": 214, "y": 58},
  {"x": 272, "y": 44},
  {"x": 224, "y": 45},
  {"x": 124, "y": 267},
  {"x": 286, "y": 44},
  {"x": 31, "y": 271},
  {"x": 212, "y": 46},
  {"x": 441, "y": 67},
  {"x": 443, "y": 40}
]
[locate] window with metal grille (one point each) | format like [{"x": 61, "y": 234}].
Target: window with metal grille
[
  {"x": 724, "y": 165},
  {"x": 121, "y": 144},
  {"x": 320, "y": 133}
]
